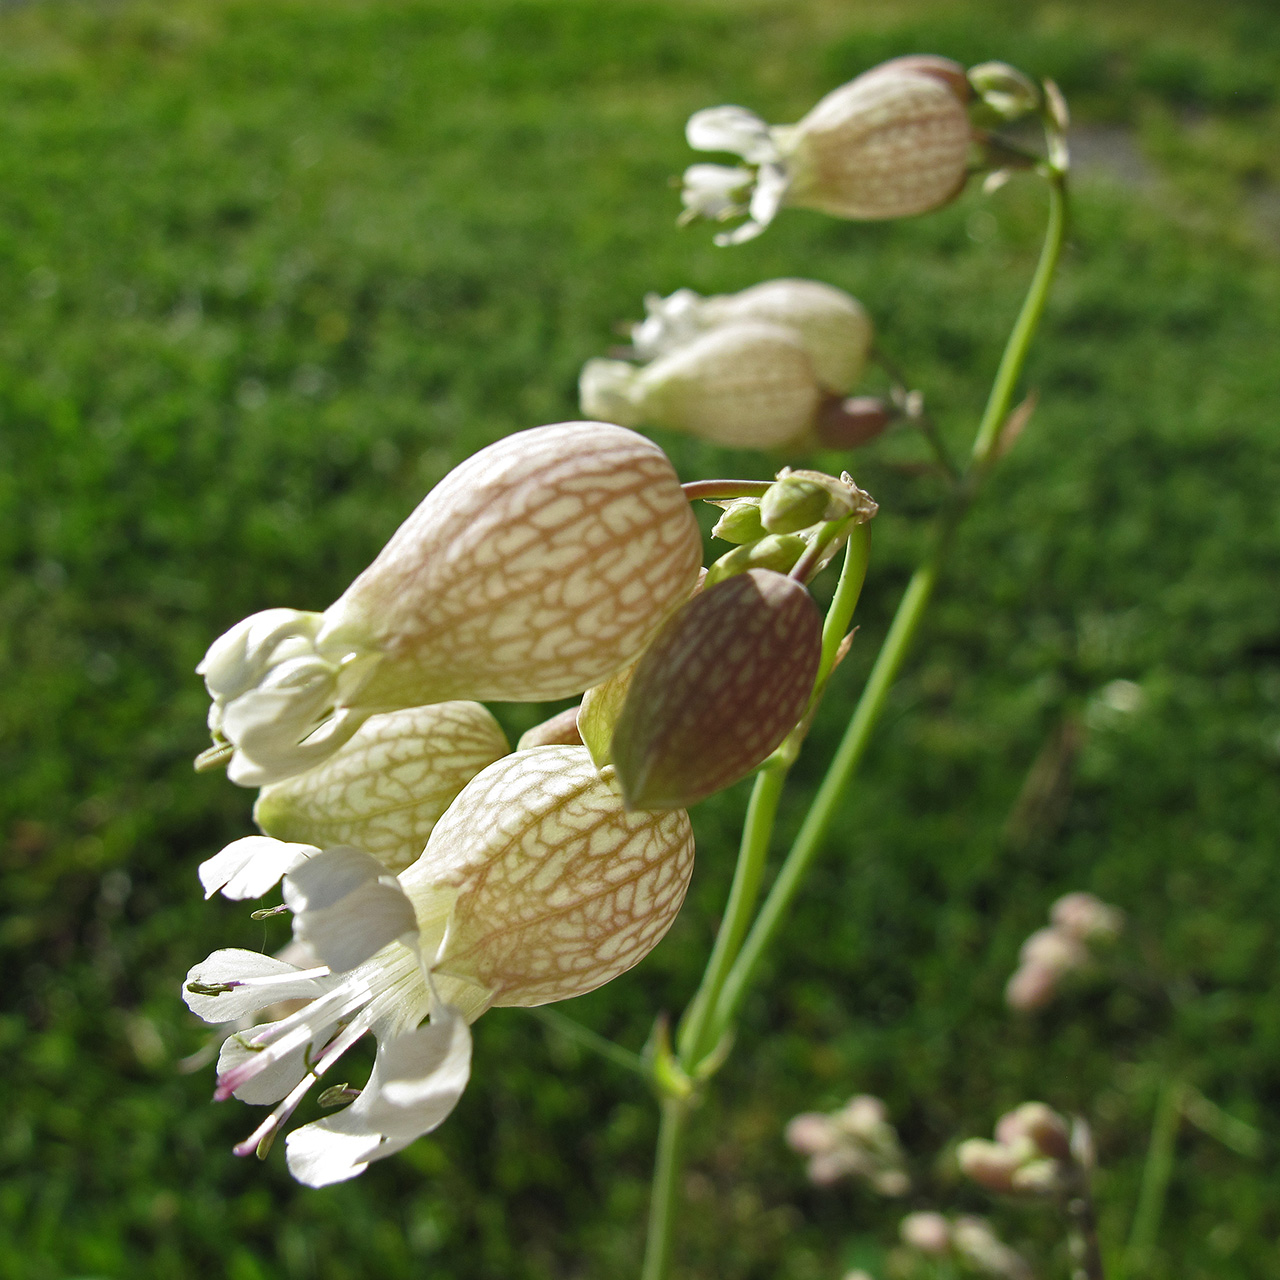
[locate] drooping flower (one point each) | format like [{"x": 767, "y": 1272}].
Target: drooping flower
[
  {"x": 749, "y": 384},
  {"x": 531, "y": 571},
  {"x": 893, "y": 142},
  {"x": 754, "y": 369},
  {"x": 832, "y": 325},
  {"x": 385, "y": 790},
  {"x": 536, "y": 885}
]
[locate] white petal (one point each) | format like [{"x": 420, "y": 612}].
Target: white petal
[
  {"x": 236, "y": 660},
  {"x": 733, "y": 129},
  {"x": 771, "y": 185},
  {"x": 347, "y": 907},
  {"x": 239, "y": 969},
  {"x": 416, "y": 1082},
  {"x": 275, "y": 1081},
  {"x": 714, "y": 191},
  {"x": 248, "y": 868}
]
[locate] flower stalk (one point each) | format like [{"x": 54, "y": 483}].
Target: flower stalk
[{"x": 739, "y": 949}]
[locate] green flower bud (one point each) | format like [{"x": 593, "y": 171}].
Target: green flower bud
[
  {"x": 740, "y": 522},
  {"x": 778, "y": 552},
  {"x": 1005, "y": 90},
  {"x": 800, "y": 499},
  {"x": 722, "y": 684}
]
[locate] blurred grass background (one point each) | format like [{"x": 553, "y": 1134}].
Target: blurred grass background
[{"x": 268, "y": 269}]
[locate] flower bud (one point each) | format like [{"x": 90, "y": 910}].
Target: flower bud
[
  {"x": 777, "y": 552},
  {"x": 989, "y": 1164},
  {"x": 1039, "y": 1178},
  {"x": 1086, "y": 918},
  {"x": 1031, "y": 987},
  {"x": 559, "y": 888},
  {"x": 1005, "y": 90},
  {"x": 561, "y": 730},
  {"x": 719, "y": 688},
  {"x": 740, "y": 523},
  {"x": 864, "y": 1117},
  {"x": 536, "y": 568},
  {"x": 832, "y": 326},
  {"x": 974, "y": 1240},
  {"x": 812, "y": 1133},
  {"x": 750, "y": 385},
  {"x": 1051, "y": 948},
  {"x": 1039, "y": 1124},
  {"x": 847, "y": 424},
  {"x": 799, "y": 499},
  {"x": 930, "y": 1233},
  {"x": 385, "y": 790}
]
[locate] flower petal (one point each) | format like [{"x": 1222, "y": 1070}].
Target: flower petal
[
  {"x": 347, "y": 907},
  {"x": 733, "y": 129},
  {"x": 714, "y": 191},
  {"x": 417, "y": 1080},
  {"x": 248, "y": 868},
  {"x": 241, "y": 973},
  {"x": 280, "y": 1077}
]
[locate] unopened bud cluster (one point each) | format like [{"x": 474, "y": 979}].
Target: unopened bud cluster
[
  {"x": 1080, "y": 923},
  {"x": 1036, "y": 1152},
  {"x": 856, "y": 1141},
  {"x": 970, "y": 1241}
]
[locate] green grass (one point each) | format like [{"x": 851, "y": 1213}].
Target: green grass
[{"x": 267, "y": 270}]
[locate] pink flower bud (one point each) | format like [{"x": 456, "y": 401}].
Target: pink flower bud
[
  {"x": 1032, "y": 987},
  {"x": 720, "y": 687},
  {"x": 930, "y": 1233},
  {"x": 1086, "y": 918},
  {"x": 812, "y": 1133},
  {"x": 1048, "y": 1132},
  {"x": 559, "y": 731},
  {"x": 847, "y": 424},
  {"x": 1054, "y": 949},
  {"x": 989, "y": 1164}
]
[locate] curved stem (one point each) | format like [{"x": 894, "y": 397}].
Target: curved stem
[{"x": 903, "y": 629}]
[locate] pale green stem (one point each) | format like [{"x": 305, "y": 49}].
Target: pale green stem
[
  {"x": 902, "y": 631},
  {"x": 1155, "y": 1179},
  {"x": 666, "y": 1178},
  {"x": 705, "y": 1025}
]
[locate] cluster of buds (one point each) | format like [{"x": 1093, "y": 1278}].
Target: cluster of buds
[
  {"x": 432, "y": 873},
  {"x": 768, "y": 367},
  {"x": 857, "y": 1141},
  {"x": 1079, "y": 922},
  {"x": 1036, "y": 1152},
  {"x": 897, "y": 140},
  {"x": 968, "y": 1241}
]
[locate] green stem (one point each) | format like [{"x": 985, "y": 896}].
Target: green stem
[
  {"x": 903, "y": 629},
  {"x": 666, "y": 1174},
  {"x": 1155, "y": 1179}
]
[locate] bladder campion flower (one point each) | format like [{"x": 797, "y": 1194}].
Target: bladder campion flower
[
  {"x": 531, "y": 571},
  {"x": 384, "y": 791},
  {"x": 536, "y": 885},
  {"x": 891, "y": 143},
  {"x": 832, "y": 325}
]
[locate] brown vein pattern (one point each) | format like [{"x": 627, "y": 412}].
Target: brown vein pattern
[
  {"x": 886, "y": 145},
  {"x": 384, "y": 791},
  {"x": 719, "y": 688},
  {"x": 560, "y": 889},
  {"x": 533, "y": 570}
]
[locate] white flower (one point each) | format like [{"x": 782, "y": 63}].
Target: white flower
[
  {"x": 893, "y": 142},
  {"x": 831, "y": 325},
  {"x": 747, "y": 384},
  {"x": 534, "y": 886},
  {"x": 535, "y": 569}
]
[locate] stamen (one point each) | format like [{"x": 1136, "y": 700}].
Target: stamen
[
  {"x": 266, "y": 912},
  {"x": 261, "y": 1138}
]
